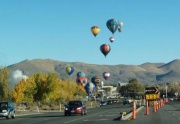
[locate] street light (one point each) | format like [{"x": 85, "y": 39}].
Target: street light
[{"x": 166, "y": 90}]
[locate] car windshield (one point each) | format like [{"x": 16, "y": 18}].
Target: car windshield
[
  {"x": 3, "y": 105},
  {"x": 74, "y": 103}
]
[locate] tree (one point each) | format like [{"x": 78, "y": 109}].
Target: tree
[
  {"x": 4, "y": 84},
  {"x": 132, "y": 89},
  {"x": 46, "y": 88}
]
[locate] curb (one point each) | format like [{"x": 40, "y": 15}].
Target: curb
[{"x": 129, "y": 115}]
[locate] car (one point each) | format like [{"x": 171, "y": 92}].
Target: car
[
  {"x": 75, "y": 107},
  {"x": 127, "y": 101},
  {"x": 109, "y": 102},
  {"x": 103, "y": 103},
  {"x": 7, "y": 109},
  {"x": 171, "y": 99}
]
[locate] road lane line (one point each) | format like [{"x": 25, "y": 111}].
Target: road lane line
[{"x": 85, "y": 117}]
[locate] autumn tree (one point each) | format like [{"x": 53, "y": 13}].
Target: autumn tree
[
  {"x": 18, "y": 91},
  {"x": 46, "y": 88}
]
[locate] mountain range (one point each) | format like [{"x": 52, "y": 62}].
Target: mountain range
[{"x": 146, "y": 73}]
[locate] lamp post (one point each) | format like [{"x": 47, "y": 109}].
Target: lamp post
[{"x": 166, "y": 90}]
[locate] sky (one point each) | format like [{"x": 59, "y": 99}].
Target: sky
[{"x": 60, "y": 30}]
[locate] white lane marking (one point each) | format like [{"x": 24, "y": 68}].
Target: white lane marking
[
  {"x": 103, "y": 119},
  {"x": 86, "y": 117},
  {"x": 97, "y": 120}
]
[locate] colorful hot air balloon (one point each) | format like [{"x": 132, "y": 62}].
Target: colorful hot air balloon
[
  {"x": 81, "y": 81},
  {"x": 95, "y": 80},
  {"x": 80, "y": 74},
  {"x": 105, "y": 49},
  {"x": 106, "y": 75},
  {"x": 111, "y": 39},
  {"x": 90, "y": 88},
  {"x": 112, "y": 25},
  {"x": 69, "y": 70},
  {"x": 95, "y": 30}
]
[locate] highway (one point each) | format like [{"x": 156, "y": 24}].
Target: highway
[{"x": 169, "y": 114}]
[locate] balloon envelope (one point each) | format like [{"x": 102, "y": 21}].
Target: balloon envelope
[
  {"x": 120, "y": 29},
  {"x": 90, "y": 88},
  {"x": 105, "y": 49},
  {"x": 80, "y": 74},
  {"x": 95, "y": 30},
  {"x": 69, "y": 70},
  {"x": 112, "y": 25},
  {"x": 111, "y": 39},
  {"x": 96, "y": 80},
  {"x": 106, "y": 75},
  {"x": 81, "y": 81}
]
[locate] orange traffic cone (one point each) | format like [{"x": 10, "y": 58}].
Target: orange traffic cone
[
  {"x": 147, "y": 108},
  {"x": 134, "y": 111},
  {"x": 155, "y": 106}
]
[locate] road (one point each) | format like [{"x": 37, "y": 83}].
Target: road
[
  {"x": 169, "y": 114},
  {"x": 96, "y": 115}
]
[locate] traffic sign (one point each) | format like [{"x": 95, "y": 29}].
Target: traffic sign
[{"x": 151, "y": 90}]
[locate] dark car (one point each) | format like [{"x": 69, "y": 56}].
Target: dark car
[
  {"x": 128, "y": 101},
  {"x": 7, "y": 109},
  {"x": 75, "y": 107},
  {"x": 109, "y": 102},
  {"x": 103, "y": 103}
]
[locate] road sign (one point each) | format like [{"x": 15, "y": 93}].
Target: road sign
[{"x": 151, "y": 90}]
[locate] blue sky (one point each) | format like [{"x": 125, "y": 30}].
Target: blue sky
[{"x": 60, "y": 30}]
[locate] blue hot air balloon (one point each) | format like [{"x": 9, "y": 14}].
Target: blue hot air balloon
[
  {"x": 81, "y": 74},
  {"x": 112, "y": 25}
]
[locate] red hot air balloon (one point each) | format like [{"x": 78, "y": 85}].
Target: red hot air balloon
[
  {"x": 105, "y": 49},
  {"x": 81, "y": 81},
  {"x": 106, "y": 75}
]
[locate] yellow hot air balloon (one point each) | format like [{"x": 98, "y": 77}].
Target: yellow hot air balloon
[{"x": 95, "y": 30}]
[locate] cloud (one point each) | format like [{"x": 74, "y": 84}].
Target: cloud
[{"x": 17, "y": 76}]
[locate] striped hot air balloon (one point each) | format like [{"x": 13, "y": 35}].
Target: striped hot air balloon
[{"x": 105, "y": 49}]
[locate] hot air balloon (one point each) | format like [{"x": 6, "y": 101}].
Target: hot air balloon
[
  {"x": 120, "y": 29},
  {"x": 69, "y": 70},
  {"x": 81, "y": 81},
  {"x": 106, "y": 75},
  {"x": 80, "y": 74},
  {"x": 95, "y": 30},
  {"x": 111, "y": 39},
  {"x": 105, "y": 49},
  {"x": 120, "y": 26},
  {"x": 112, "y": 25},
  {"x": 95, "y": 80},
  {"x": 90, "y": 88}
]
